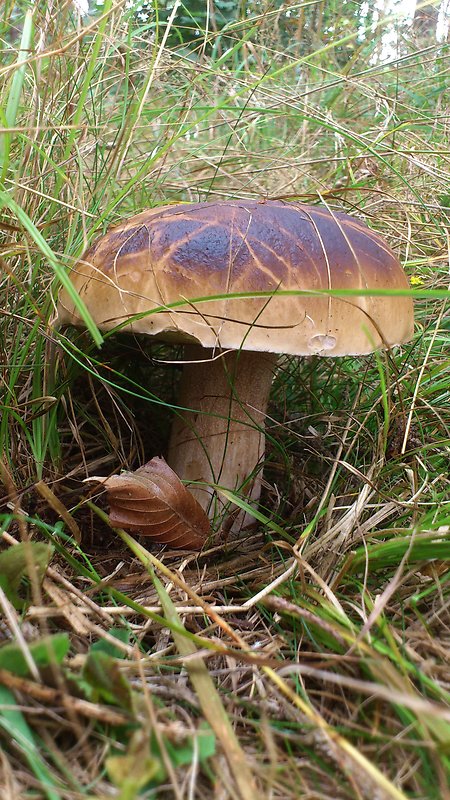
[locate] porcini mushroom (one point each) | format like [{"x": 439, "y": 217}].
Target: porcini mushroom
[{"x": 177, "y": 253}]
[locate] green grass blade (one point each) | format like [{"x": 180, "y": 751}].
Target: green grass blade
[
  {"x": 15, "y": 92},
  {"x": 60, "y": 272},
  {"x": 15, "y": 725}
]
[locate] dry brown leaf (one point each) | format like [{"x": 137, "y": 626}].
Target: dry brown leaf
[{"x": 152, "y": 501}]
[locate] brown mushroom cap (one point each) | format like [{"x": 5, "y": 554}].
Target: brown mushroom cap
[{"x": 177, "y": 252}]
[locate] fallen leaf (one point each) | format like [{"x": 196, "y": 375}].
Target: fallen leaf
[{"x": 152, "y": 501}]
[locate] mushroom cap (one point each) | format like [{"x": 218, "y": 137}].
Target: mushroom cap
[{"x": 191, "y": 251}]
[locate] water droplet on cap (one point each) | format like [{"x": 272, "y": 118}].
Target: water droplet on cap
[{"x": 322, "y": 341}]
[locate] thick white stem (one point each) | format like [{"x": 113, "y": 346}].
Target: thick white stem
[{"x": 221, "y": 440}]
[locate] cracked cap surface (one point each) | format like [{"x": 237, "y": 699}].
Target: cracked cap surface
[{"x": 184, "y": 252}]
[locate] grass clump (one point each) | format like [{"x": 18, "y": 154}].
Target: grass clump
[{"x": 311, "y": 659}]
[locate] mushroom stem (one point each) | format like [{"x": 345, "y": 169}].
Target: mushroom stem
[{"x": 221, "y": 440}]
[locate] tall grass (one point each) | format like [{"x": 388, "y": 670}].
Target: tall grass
[{"x": 321, "y": 641}]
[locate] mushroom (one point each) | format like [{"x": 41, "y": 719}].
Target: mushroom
[{"x": 154, "y": 274}]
